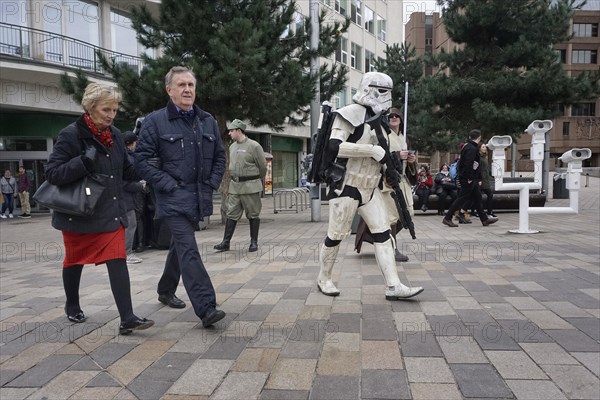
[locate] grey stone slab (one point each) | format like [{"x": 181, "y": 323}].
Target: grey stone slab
[
  {"x": 226, "y": 348},
  {"x": 108, "y": 353},
  {"x": 524, "y": 331},
  {"x": 241, "y": 386},
  {"x": 169, "y": 367},
  {"x": 583, "y": 300},
  {"x": 274, "y": 394},
  {"x": 300, "y": 293},
  {"x": 345, "y": 322},
  {"x": 257, "y": 283},
  {"x": 148, "y": 389},
  {"x": 7, "y": 376},
  {"x": 419, "y": 344},
  {"x": 275, "y": 288},
  {"x": 480, "y": 380},
  {"x": 308, "y": 330},
  {"x": 44, "y": 371},
  {"x": 487, "y": 297},
  {"x": 447, "y": 325},
  {"x": 535, "y": 390},
  {"x": 293, "y": 349},
  {"x": 590, "y": 360},
  {"x": 228, "y": 287},
  {"x": 574, "y": 380},
  {"x": 85, "y": 364},
  {"x": 508, "y": 291},
  {"x": 589, "y": 326},
  {"x": 376, "y": 280},
  {"x": 103, "y": 379},
  {"x": 384, "y": 384},
  {"x": 342, "y": 387},
  {"x": 255, "y": 312},
  {"x": 410, "y": 305},
  {"x": 475, "y": 286},
  {"x": 491, "y": 336},
  {"x": 573, "y": 340},
  {"x": 376, "y": 311},
  {"x": 378, "y": 329},
  {"x": 474, "y": 317}
]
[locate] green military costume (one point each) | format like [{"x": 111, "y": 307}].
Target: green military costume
[{"x": 247, "y": 168}]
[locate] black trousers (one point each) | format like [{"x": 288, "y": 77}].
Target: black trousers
[
  {"x": 184, "y": 261},
  {"x": 468, "y": 191}
]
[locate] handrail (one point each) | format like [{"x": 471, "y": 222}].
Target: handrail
[{"x": 39, "y": 45}]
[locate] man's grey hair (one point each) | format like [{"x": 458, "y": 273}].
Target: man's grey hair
[{"x": 177, "y": 70}]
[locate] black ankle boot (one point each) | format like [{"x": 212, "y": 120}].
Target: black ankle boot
[{"x": 229, "y": 229}]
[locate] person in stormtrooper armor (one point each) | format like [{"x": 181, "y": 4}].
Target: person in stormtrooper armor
[{"x": 363, "y": 174}]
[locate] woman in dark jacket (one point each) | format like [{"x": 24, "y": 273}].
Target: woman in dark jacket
[
  {"x": 444, "y": 188},
  {"x": 91, "y": 145}
]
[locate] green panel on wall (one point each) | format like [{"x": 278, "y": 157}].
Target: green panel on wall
[
  {"x": 41, "y": 124},
  {"x": 279, "y": 143}
]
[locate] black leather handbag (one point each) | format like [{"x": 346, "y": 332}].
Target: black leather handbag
[{"x": 78, "y": 198}]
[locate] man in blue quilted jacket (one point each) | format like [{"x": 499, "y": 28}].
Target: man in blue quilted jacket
[{"x": 180, "y": 153}]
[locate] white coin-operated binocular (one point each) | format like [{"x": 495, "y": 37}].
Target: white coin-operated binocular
[
  {"x": 537, "y": 129},
  {"x": 498, "y": 144},
  {"x": 574, "y": 159},
  {"x": 577, "y": 155}
]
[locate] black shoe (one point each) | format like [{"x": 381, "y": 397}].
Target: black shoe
[
  {"x": 223, "y": 246},
  {"x": 138, "y": 324},
  {"x": 400, "y": 257},
  {"x": 78, "y": 317},
  {"x": 253, "y": 247},
  {"x": 489, "y": 221},
  {"x": 24, "y": 215},
  {"x": 171, "y": 300},
  {"x": 449, "y": 223},
  {"x": 212, "y": 316}
]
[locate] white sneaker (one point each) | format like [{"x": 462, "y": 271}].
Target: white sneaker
[
  {"x": 3, "y": 216},
  {"x": 10, "y": 216},
  {"x": 133, "y": 259}
]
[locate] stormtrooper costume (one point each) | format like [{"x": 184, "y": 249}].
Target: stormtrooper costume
[{"x": 357, "y": 192}]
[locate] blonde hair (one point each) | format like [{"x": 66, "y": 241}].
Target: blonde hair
[{"x": 96, "y": 93}]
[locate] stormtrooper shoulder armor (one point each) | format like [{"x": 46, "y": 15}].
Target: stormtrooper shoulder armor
[{"x": 353, "y": 113}]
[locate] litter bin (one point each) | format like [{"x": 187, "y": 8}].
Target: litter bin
[{"x": 559, "y": 189}]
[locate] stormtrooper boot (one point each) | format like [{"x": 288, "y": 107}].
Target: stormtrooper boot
[
  {"x": 327, "y": 257},
  {"x": 384, "y": 253}
]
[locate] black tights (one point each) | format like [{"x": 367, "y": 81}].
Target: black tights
[{"x": 118, "y": 275}]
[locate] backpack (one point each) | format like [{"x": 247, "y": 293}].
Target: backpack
[{"x": 454, "y": 170}]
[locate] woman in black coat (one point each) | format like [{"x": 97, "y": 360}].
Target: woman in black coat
[{"x": 87, "y": 146}]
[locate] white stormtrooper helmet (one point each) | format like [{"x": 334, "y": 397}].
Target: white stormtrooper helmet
[{"x": 375, "y": 91}]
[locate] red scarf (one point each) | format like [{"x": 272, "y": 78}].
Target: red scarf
[{"x": 104, "y": 136}]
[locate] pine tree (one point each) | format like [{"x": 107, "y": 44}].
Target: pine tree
[
  {"x": 247, "y": 62},
  {"x": 504, "y": 72}
]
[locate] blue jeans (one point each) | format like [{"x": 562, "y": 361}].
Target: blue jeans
[{"x": 9, "y": 202}]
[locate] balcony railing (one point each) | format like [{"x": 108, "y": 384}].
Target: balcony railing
[{"x": 48, "y": 47}]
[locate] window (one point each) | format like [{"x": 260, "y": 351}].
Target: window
[
  {"x": 428, "y": 41},
  {"x": 122, "y": 34},
  {"x": 341, "y": 54},
  {"x": 561, "y": 55},
  {"x": 585, "y": 30},
  {"x": 341, "y": 6},
  {"x": 341, "y": 99},
  {"x": 583, "y": 110},
  {"x": 327, "y": 2},
  {"x": 566, "y": 126},
  {"x": 369, "y": 61},
  {"x": 381, "y": 31},
  {"x": 369, "y": 20},
  {"x": 356, "y": 12},
  {"x": 584, "y": 57},
  {"x": 356, "y": 56}
]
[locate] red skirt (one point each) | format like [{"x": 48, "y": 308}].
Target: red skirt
[{"x": 93, "y": 248}]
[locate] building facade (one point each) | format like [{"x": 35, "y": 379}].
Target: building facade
[
  {"x": 578, "y": 127},
  {"x": 40, "y": 40}
]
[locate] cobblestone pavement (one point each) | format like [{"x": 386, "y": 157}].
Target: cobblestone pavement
[{"x": 503, "y": 316}]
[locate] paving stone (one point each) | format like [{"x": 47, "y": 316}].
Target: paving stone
[
  {"x": 548, "y": 353},
  {"x": 589, "y": 326},
  {"x": 524, "y": 303},
  {"x": 378, "y": 329},
  {"x": 491, "y": 336},
  {"x": 341, "y": 341},
  {"x": 515, "y": 365},
  {"x": 435, "y": 391},
  {"x": 241, "y": 386},
  {"x": 108, "y": 353},
  {"x": 292, "y": 374},
  {"x": 103, "y": 380},
  {"x": 170, "y": 366},
  {"x": 503, "y": 311},
  {"x": 437, "y": 308},
  {"x": 524, "y": 331},
  {"x": 125, "y": 371},
  {"x": 479, "y": 380},
  {"x": 573, "y": 340},
  {"x": 419, "y": 344},
  {"x": 211, "y": 372},
  {"x": 308, "y": 330},
  {"x": 315, "y": 312},
  {"x": 275, "y": 288},
  {"x": 590, "y": 360},
  {"x": 345, "y": 322},
  {"x": 300, "y": 293},
  {"x": 339, "y": 363},
  {"x": 566, "y": 309},
  {"x": 256, "y": 360},
  {"x": 384, "y": 384},
  {"x": 269, "y": 394},
  {"x": 546, "y": 319},
  {"x": 448, "y": 325},
  {"x": 149, "y": 389},
  {"x": 7, "y": 376},
  {"x": 293, "y": 349},
  {"x": 380, "y": 355},
  {"x": 44, "y": 371},
  {"x": 406, "y": 306},
  {"x": 411, "y": 321},
  {"x": 255, "y": 312},
  {"x": 226, "y": 348},
  {"x": 529, "y": 286},
  {"x": 463, "y": 303},
  {"x": 461, "y": 350},
  {"x": 7, "y": 393},
  {"x": 341, "y": 387},
  {"x": 535, "y": 390},
  {"x": 507, "y": 291},
  {"x": 574, "y": 380},
  {"x": 428, "y": 369}
]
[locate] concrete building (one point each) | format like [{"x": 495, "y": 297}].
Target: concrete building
[
  {"x": 579, "y": 126},
  {"x": 40, "y": 40}
]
